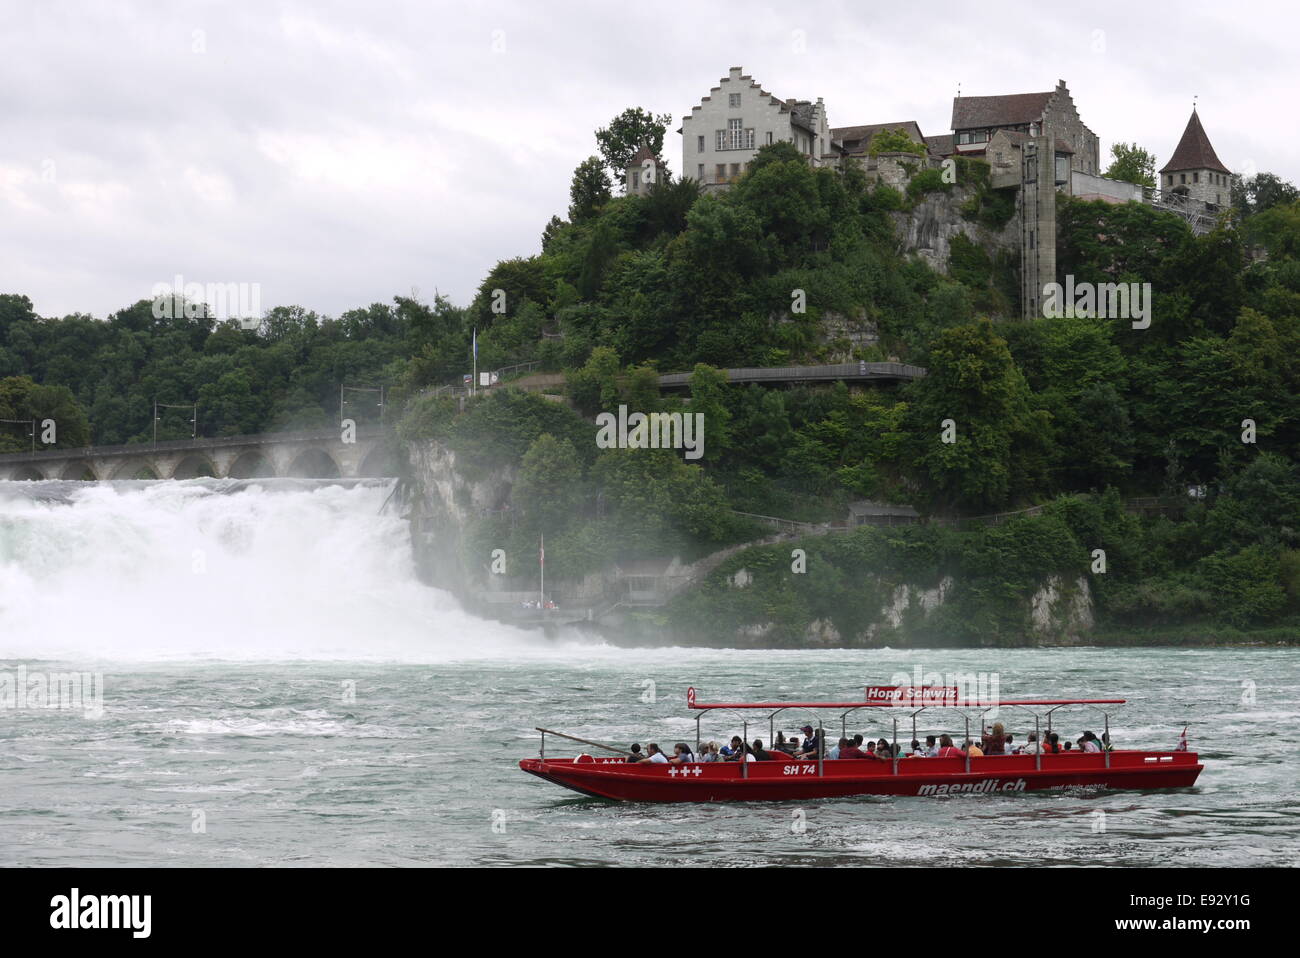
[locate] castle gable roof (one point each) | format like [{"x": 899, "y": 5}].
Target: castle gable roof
[
  {"x": 643, "y": 154},
  {"x": 1012, "y": 109},
  {"x": 857, "y": 139},
  {"x": 940, "y": 145},
  {"x": 1194, "y": 151}
]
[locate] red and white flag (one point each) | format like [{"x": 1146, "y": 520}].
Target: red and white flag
[{"x": 1182, "y": 741}]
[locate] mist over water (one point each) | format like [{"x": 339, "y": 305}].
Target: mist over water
[
  {"x": 224, "y": 570},
  {"x": 272, "y": 662}
]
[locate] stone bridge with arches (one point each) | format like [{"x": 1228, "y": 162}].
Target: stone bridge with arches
[{"x": 318, "y": 454}]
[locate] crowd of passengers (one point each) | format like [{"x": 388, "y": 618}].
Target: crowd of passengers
[{"x": 994, "y": 741}]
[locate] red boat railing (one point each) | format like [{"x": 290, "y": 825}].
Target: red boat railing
[{"x": 894, "y": 697}]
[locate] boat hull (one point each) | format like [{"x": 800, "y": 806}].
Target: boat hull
[{"x": 794, "y": 780}]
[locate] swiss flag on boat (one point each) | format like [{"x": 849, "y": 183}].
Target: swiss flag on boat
[{"x": 1182, "y": 741}]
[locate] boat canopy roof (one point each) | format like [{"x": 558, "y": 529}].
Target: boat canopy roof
[{"x": 899, "y": 697}]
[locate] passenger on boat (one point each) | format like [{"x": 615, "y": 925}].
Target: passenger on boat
[
  {"x": 995, "y": 740},
  {"x": 850, "y": 750},
  {"x": 812, "y": 744},
  {"x": 835, "y": 750},
  {"x": 709, "y": 752},
  {"x": 1067, "y": 746},
  {"x": 857, "y": 740},
  {"x": 656, "y": 757},
  {"x": 733, "y": 753},
  {"x": 1088, "y": 742},
  {"x": 947, "y": 749},
  {"x": 1010, "y": 746},
  {"x": 1052, "y": 744},
  {"x": 681, "y": 754},
  {"x": 973, "y": 750},
  {"x": 637, "y": 755},
  {"x": 765, "y": 756},
  {"x": 916, "y": 748},
  {"x": 931, "y": 746},
  {"x": 1031, "y": 745},
  {"x": 883, "y": 750}
]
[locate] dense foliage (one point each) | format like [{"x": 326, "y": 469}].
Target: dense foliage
[{"x": 800, "y": 265}]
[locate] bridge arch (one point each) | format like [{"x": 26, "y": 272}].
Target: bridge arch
[
  {"x": 379, "y": 463},
  {"x": 27, "y": 473},
  {"x": 194, "y": 466},
  {"x": 253, "y": 464},
  {"x": 79, "y": 469},
  {"x": 314, "y": 463},
  {"x": 135, "y": 469}
]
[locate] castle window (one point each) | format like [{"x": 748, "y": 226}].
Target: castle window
[
  {"x": 1182, "y": 178},
  {"x": 721, "y": 140},
  {"x": 735, "y": 170},
  {"x": 769, "y": 137},
  {"x": 720, "y": 173},
  {"x": 700, "y": 148},
  {"x": 1169, "y": 179},
  {"x": 734, "y": 134},
  {"x": 636, "y": 179},
  {"x": 700, "y": 173},
  {"x": 1196, "y": 177},
  {"x": 733, "y": 100}
]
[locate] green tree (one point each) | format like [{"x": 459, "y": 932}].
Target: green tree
[
  {"x": 22, "y": 399},
  {"x": 976, "y": 396},
  {"x": 626, "y": 134},
  {"x": 549, "y": 487},
  {"x": 894, "y": 141},
  {"x": 1131, "y": 164},
  {"x": 709, "y": 397},
  {"x": 595, "y": 387},
  {"x": 1260, "y": 192},
  {"x": 589, "y": 190}
]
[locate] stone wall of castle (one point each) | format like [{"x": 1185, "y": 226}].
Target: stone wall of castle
[{"x": 1062, "y": 121}]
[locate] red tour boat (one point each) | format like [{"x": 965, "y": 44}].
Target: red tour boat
[{"x": 786, "y": 778}]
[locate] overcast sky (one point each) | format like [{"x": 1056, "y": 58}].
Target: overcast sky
[{"x": 343, "y": 153}]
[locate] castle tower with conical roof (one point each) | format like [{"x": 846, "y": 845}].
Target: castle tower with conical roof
[{"x": 1195, "y": 170}]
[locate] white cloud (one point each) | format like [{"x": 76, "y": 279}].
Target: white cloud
[{"x": 340, "y": 153}]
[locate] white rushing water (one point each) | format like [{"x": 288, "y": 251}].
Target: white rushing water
[{"x": 207, "y": 569}]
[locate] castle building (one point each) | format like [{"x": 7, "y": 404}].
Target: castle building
[
  {"x": 724, "y": 131},
  {"x": 1034, "y": 143},
  {"x": 976, "y": 120},
  {"x": 1194, "y": 171},
  {"x": 642, "y": 172},
  {"x": 855, "y": 141}
]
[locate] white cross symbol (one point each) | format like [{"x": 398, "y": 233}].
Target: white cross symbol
[
  {"x": 695, "y": 770},
  {"x": 673, "y": 771}
]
